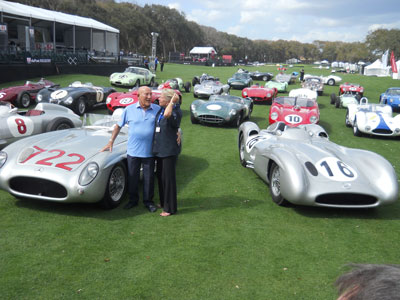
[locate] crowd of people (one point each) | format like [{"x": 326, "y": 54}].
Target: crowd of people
[{"x": 153, "y": 136}]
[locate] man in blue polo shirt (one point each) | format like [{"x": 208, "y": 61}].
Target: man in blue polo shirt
[{"x": 141, "y": 118}]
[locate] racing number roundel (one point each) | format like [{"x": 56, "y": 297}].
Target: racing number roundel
[
  {"x": 20, "y": 126},
  {"x": 59, "y": 94},
  {"x": 126, "y": 101},
  {"x": 335, "y": 169},
  {"x": 293, "y": 119}
]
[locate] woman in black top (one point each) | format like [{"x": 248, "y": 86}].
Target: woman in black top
[{"x": 166, "y": 149}]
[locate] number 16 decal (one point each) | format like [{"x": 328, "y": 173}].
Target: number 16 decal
[{"x": 335, "y": 169}]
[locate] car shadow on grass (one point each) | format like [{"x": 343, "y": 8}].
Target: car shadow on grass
[
  {"x": 188, "y": 165},
  {"x": 390, "y": 212}
]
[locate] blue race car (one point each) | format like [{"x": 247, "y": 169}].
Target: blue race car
[{"x": 391, "y": 97}]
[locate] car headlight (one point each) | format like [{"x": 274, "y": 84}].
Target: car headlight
[
  {"x": 245, "y": 93},
  {"x": 3, "y": 158},
  {"x": 269, "y": 95},
  {"x": 274, "y": 115},
  {"x": 313, "y": 119},
  {"x": 108, "y": 100},
  {"x": 397, "y": 130},
  {"x": 193, "y": 107},
  {"x": 39, "y": 98},
  {"x": 89, "y": 173},
  {"x": 69, "y": 101},
  {"x": 367, "y": 128},
  {"x": 232, "y": 112}
]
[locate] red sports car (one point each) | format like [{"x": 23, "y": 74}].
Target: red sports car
[
  {"x": 294, "y": 111},
  {"x": 22, "y": 95},
  {"x": 352, "y": 88},
  {"x": 260, "y": 94},
  {"x": 123, "y": 99}
]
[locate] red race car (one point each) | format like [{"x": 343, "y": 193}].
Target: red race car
[
  {"x": 123, "y": 99},
  {"x": 351, "y": 88},
  {"x": 22, "y": 95},
  {"x": 260, "y": 94},
  {"x": 294, "y": 111}
]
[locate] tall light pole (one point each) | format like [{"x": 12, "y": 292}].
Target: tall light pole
[{"x": 153, "y": 47}]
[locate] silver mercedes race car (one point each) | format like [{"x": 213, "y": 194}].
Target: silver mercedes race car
[
  {"x": 209, "y": 87},
  {"x": 303, "y": 167},
  {"x": 16, "y": 124},
  {"x": 67, "y": 165}
]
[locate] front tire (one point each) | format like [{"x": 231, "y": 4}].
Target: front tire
[
  {"x": 80, "y": 106},
  {"x": 347, "y": 121},
  {"x": 59, "y": 124},
  {"x": 333, "y": 98},
  {"x": 187, "y": 87},
  {"x": 337, "y": 102},
  {"x": 242, "y": 147},
  {"x": 137, "y": 84},
  {"x": 275, "y": 186},
  {"x": 331, "y": 82},
  {"x": 193, "y": 119},
  {"x": 356, "y": 131},
  {"x": 24, "y": 100},
  {"x": 265, "y": 78},
  {"x": 238, "y": 121},
  {"x": 151, "y": 82},
  {"x": 116, "y": 187}
]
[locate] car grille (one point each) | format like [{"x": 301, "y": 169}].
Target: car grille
[
  {"x": 259, "y": 98},
  {"x": 382, "y": 131},
  {"x": 38, "y": 187},
  {"x": 346, "y": 199},
  {"x": 211, "y": 119}
]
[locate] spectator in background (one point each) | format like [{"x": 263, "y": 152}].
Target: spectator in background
[
  {"x": 155, "y": 63},
  {"x": 370, "y": 282},
  {"x": 162, "y": 63},
  {"x": 146, "y": 63},
  {"x": 302, "y": 75}
]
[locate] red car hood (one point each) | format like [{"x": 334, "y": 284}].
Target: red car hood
[{"x": 293, "y": 117}]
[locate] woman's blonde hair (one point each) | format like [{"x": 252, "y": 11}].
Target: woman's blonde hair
[{"x": 168, "y": 93}]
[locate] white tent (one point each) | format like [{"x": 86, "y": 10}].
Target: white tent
[
  {"x": 377, "y": 69},
  {"x": 203, "y": 50}
]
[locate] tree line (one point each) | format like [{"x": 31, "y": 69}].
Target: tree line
[{"x": 177, "y": 34}]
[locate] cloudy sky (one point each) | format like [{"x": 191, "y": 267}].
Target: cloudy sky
[{"x": 301, "y": 20}]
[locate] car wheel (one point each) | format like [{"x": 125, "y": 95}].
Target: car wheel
[
  {"x": 236, "y": 123},
  {"x": 116, "y": 187},
  {"x": 337, "y": 102},
  {"x": 195, "y": 95},
  {"x": 187, "y": 87},
  {"x": 356, "y": 131},
  {"x": 333, "y": 98},
  {"x": 265, "y": 78},
  {"x": 151, "y": 82},
  {"x": 193, "y": 119},
  {"x": 347, "y": 121},
  {"x": 242, "y": 147},
  {"x": 137, "y": 83},
  {"x": 24, "y": 100},
  {"x": 275, "y": 186},
  {"x": 59, "y": 124},
  {"x": 250, "y": 111},
  {"x": 156, "y": 84},
  {"x": 80, "y": 106},
  {"x": 331, "y": 82},
  {"x": 358, "y": 97},
  {"x": 195, "y": 81}
]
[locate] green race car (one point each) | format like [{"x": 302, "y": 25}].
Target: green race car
[
  {"x": 221, "y": 109},
  {"x": 344, "y": 99},
  {"x": 240, "y": 81},
  {"x": 133, "y": 76},
  {"x": 280, "y": 86}
]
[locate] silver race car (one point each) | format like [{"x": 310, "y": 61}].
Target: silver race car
[
  {"x": 210, "y": 87},
  {"x": 16, "y": 124},
  {"x": 303, "y": 167},
  {"x": 66, "y": 166}
]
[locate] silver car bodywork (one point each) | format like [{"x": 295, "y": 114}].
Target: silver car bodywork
[
  {"x": 210, "y": 87},
  {"x": 303, "y": 167},
  {"x": 67, "y": 166},
  {"x": 15, "y": 124}
]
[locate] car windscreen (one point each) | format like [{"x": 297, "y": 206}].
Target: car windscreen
[{"x": 394, "y": 92}]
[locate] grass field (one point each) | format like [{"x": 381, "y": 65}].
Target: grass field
[{"x": 228, "y": 241}]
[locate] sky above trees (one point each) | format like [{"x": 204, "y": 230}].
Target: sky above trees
[{"x": 300, "y": 20}]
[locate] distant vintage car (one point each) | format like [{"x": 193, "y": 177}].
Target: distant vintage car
[
  {"x": 303, "y": 93},
  {"x": 67, "y": 165},
  {"x": 176, "y": 84},
  {"x": 283, "y": 77},
  {"x": 391, "y": 97},
  {"x": 210, "y": 87},
  {"x": 344, "y": 99},
  {"x": 45, "y": 117},
  {"x": 294, "y": 111},
  {"x": 329, "y": 80},
  {"x": 314, "y": 83},
  {"x": 302, "y": 167},
  {"x": 353, "y": 88},
  {"x": 80, "y": 97},
  {"x": 260, "y": 94},
  {"x": 221, "y": 110},
  {"x": 240, "y": 81},
  {"x": 22, "y": 95},
  {"x": 372, "y": 119},
  {"x": 133, "y": 76},
  {"x": 280, "y": 86},
  {"x": 124, "y": 99},
  {"x": 265, "y": 76},
  {"x": 203, "y": 77}
]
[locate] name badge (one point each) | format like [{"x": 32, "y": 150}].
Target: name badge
[{"x": 158, "y": 129}]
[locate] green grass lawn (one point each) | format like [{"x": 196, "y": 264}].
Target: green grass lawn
[{"x": 228, "y": 241}]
